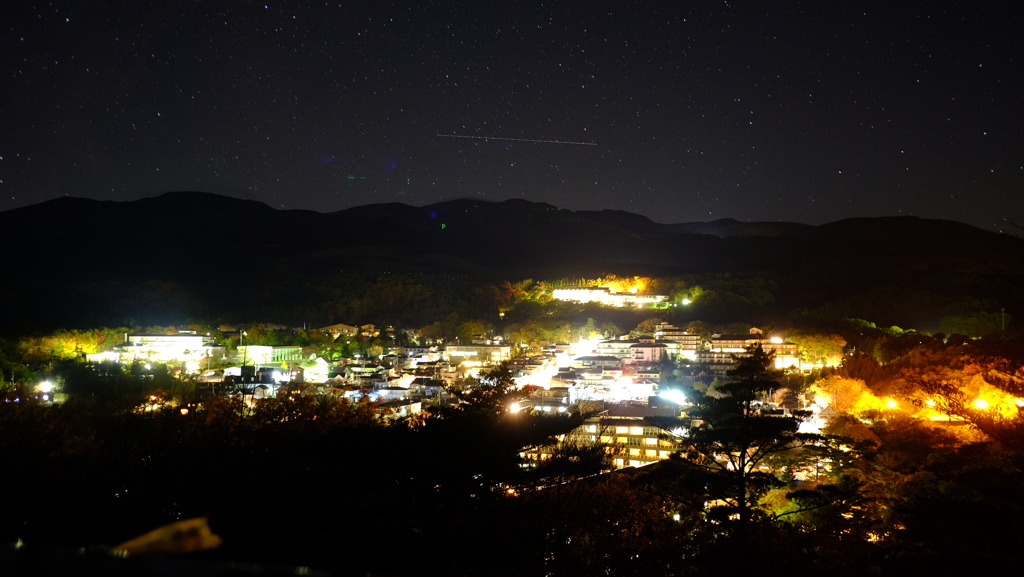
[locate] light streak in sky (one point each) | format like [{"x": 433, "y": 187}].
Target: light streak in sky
[{"x": 517, "y": 139}]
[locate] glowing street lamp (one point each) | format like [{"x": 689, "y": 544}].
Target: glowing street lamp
[
  {"x": 981, "y": 404},
  {"x": 891, "y": 404}
]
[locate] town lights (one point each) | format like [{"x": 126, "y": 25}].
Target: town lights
[{"x": 675, "y": 396}]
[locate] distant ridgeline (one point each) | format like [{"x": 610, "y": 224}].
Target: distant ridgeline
[{"x": 75, "y": 262}]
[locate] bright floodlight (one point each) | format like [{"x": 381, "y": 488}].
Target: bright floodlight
[
  {"x": 891, "y": 404},
  {"x": 44, "y": 387},
  {"x": 515, "y": 408},
  {"x": 686, "y": 301},
  {"x": 776, "y": 340},
  {"x": 981, "y": 404},
  {"x": 673, "y": 395}
]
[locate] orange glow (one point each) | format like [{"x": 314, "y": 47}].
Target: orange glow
[{"x": 981, "y": 404}]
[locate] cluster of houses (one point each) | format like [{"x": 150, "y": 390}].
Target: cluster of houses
[{"x": 619, "y": 379}]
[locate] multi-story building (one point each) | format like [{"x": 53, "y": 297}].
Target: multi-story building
[
  {"x": 265, "y": 355},
  {"x": 720, "y": 348},
  {"x": 605, "y": 296},
  {"x": 618, "y": 348},
  {"x": 625, "y": 436},
  {"x": 186, "y": 346},
  {"x": 686, "y": 343},
  {"x": 647, "y": 351}
]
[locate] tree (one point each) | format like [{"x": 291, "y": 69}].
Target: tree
[
  {"x": 610, "y": 330},
  {"x": 819, "y": 348},
  {"x": 840, "y": 393},
  {"x": 646, "y": 328},
  {"x": 587, "y": 330},
  {"x": 725, "y": 459},
  {"x": 700, "y": 328}
]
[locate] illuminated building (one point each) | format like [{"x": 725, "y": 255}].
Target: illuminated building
[
  {"x": 625, "y": 436},
  {"x": 477, "y": 355},
  {"x": 340, "y": 330},
  {"x": 269, "y": 355},
  {"x": 719, "y": 349},
  {"x": 647, "y": 351},
  {"x": 605, "y": 296},
  {"x": 186, "y": 346},
  {"x": 685, "y": 343}
]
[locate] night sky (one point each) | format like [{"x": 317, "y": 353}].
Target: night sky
[{"x": 800, "y": 111}]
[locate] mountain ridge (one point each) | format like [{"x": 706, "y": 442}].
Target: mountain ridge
[{"x": 197, "y": 254}]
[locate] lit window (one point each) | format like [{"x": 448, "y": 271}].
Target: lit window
[
  {"x": 652, "y": 453},
  {"x": 621, "y": 440},
  {"x": 606, "y": 439},
  {"x": 634, "y": 452},
  {"x": 650, "y": 441},
  {"x": 622, "y": 430},
  {"x": 636, "y": 430},
  {"x": 591, "y": 428}
]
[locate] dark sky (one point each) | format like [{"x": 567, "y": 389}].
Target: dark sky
[{"x": 801, "y": 111}]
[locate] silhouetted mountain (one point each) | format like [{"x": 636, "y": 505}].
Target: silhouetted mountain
[{"x": 79, "y": 261}]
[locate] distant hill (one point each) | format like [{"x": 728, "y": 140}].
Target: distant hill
[{"x": 76, "y": 261}]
